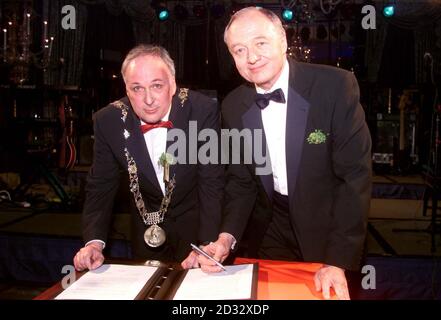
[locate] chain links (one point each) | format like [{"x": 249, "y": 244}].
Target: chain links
[{"x": 149, "y": 218}]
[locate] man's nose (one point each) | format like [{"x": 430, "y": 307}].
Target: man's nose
[
  {"x": 253, "y": 56},
  {"x": 148, "y": 98}
]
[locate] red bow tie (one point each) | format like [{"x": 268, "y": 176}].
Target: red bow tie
[{"x": 161, "y": 124}]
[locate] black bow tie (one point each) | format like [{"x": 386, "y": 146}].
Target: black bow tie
[{"x": 262, "y": 100}]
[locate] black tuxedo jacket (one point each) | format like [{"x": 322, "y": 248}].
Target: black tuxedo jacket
[
  {"x": 194, "y": 213},
  {"x": 329, "y": 183}
]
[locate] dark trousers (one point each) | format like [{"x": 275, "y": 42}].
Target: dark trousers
[{"x": 279, "y": 241}]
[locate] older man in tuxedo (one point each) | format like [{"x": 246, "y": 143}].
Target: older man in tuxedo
[
  {"x": 131, "y": 135},
  {"x": 314, "y": 204}
]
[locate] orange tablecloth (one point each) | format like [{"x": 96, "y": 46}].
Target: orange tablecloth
[{"x": 284, "y": 280}]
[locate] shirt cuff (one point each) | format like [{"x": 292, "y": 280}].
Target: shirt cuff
[
  {"x": 229, "y": 235},
  {"x": 96, "y": 240}
]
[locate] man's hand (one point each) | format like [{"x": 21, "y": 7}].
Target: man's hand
[
  {"x": 219, "y": 250},
  {"x": 89, "y": 257},
  {"x": 330, "y": 276},
  {"x": 191, "y": 261}
]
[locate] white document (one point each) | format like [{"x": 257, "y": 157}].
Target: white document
[
  {"x": 109, "y": 282},
  {"x": 235, "y": 283}
]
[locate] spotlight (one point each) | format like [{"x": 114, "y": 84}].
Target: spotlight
[
  {"x": 389, "y": 9},
  {"x": 287, "y": 15},
  {"x": 162, "y": 13}
]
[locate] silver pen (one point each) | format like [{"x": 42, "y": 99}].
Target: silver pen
[{"x": 206, "y": 255}]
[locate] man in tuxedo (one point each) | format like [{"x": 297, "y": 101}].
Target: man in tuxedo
[
  {"x": 314, "y": 205},
  {"x": 131, "y": 134}
]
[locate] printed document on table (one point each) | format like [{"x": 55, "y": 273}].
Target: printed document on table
[
  {"x": 235, "y": 283},
  {"x": 109, "y": 282}
]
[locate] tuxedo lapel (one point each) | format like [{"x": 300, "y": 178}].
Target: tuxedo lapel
[
  {"x": 138, "y": 150},
  {"x": 252, "y": 119},
  {"x": 296, "y": 120},
  {"x": 179, "y": 116}
]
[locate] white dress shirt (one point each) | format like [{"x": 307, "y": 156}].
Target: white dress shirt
[
  {"x": 274, "y": 124},
  {"x": 156, "y": 141}
]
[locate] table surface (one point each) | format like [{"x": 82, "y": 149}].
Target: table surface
[
  {"x": 277, "y": 280},
  {"x": 285, "y": 280}
]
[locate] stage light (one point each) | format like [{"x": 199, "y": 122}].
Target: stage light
[
  {"x": 389, "y": 9},
  {"x": 162, "y": 13},
  {"x": 287, "y": 15}
]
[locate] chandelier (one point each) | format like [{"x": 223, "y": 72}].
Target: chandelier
[{"x": 19, "y": 38}]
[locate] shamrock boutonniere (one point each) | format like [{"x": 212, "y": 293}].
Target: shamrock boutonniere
[
  {"x": 166, "y": 160},
  {"x": 317, "y": 137}
]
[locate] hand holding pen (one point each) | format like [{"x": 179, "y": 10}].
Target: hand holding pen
[{"x": 206, "y": 255}]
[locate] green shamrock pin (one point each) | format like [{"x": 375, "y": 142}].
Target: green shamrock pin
[{"x": 317, "y": 137}]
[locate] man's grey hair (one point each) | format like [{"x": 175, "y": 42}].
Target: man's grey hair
[
  {"x": 148, "y": 50},
  {"x": 267, "y": 13}
]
